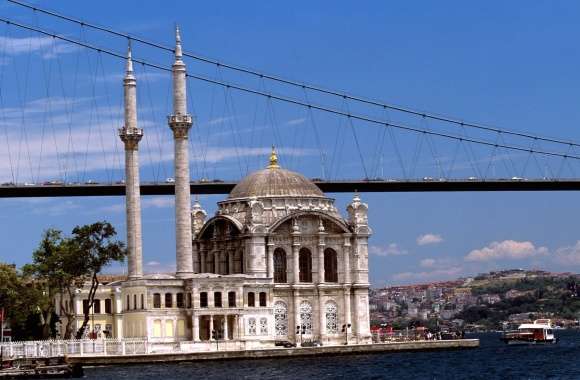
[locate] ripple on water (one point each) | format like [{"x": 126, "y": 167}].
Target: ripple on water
[{"x": 493, "y": 360}]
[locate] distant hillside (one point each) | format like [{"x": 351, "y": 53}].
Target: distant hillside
[{"x": 522, "y": 295}]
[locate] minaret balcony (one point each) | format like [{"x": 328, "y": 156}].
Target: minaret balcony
[
  {"x": 130, "y": 132},
  {"x": 180, "y": 120}
]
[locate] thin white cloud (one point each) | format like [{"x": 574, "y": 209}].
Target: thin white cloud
[
  {"x": 506, "y": 250},
  {"x": 392, "y": 249},
  {"x": 429, "y": 239},
  {"x": 48, "y": 47},
  {"x": 296, "y": 121},
  {"x": 427, "y": 263},
  {"x": 437, "y": 274},
  {"x": 568, "y": 255}
]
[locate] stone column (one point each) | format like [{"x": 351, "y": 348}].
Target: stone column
[
  {"x": 321, "y": 246},
  {"x": 270, "y": 258},
  {"x": 131, "y": 135},
  {"x": 230, "y": 262},
  {"x": 321, "y": 317},
  {"x": 226, "y": 335},
  {"x": 347, "y": 317},
  {"x": 180, "y": 123},
  {"x": 296, "y": 252},
  {"x": 196, "y": 328},
  {"x": 346, "y": 256}
]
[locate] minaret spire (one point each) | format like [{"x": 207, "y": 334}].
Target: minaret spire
[
  {"x": 178, "y": 51},
  {"x": 180, "y": 122},
  {"x": 130, "y": 134}
]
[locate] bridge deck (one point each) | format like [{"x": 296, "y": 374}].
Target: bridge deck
[{"x": 82, "y": 190}]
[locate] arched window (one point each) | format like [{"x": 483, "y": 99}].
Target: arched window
[
  {"x": 280, "y": 266},
  {"x": 263, "y": 299},
  {"x": 168, "y": 300},
  {"x": 179, "y": 301},
  {"x": 331, "y": 318},
  {"x": 217, "y": 299},
  {"x": 330, "y": 265},
  {"x": 134, "y": 301},
  {"x": 128, "y": 302},
  {"x": 203, "y": 299},
  {"x": 231, "y": 299},
  {"x": 108, "y": 308},
  {"x": 251, "y": 299},
  {"x": 305, "y": 265},
  {"x": 306, "y": 317},
  {"x": 281, "y": 318},
  {"x": 157, "y": 301},
  {"x": 142, "y": 302},
  {"x": 97, "y": 306}
]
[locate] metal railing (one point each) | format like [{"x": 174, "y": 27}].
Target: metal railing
[{"x": 109, "y": 347}]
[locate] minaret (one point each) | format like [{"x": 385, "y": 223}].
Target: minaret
[
  {"x": 180, "y": 123},
  {"x": 131, "y": 135}
]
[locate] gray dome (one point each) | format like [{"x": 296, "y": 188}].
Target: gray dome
[{"x": 275, "y": 182}]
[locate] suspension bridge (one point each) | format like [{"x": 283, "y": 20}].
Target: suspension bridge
[{"x": 61, "y": 107}]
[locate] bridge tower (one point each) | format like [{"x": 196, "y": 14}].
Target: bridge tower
[
  {"x": 131, "y": 135},
  {"x": 180, "y": 123}
]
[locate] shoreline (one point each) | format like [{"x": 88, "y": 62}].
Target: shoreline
[{"x": 375, "y": 348}]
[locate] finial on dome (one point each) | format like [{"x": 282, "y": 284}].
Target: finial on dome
[
  {"x": 273, "y": 159},
  {"x": 178, "y": 52}
]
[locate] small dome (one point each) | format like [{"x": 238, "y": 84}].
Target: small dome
[{"x": 275, "y": 182}]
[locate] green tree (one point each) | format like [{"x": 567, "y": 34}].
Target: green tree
[
  {"x": 94, "y": 247},
  {"x": 20, "y": 298}
]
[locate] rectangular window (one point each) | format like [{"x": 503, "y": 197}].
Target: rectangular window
[
  {"x": 180, "y": 303},
  {"x": 108, "y": 309},
  {"x": 188, "y": 298},
  {"x": 232, "y": 299},
  {"x": 263, "y": 300},
  {"x": 97, "y": 307},
  {"x": 203, "y": 299},
  {"x": 217, "y": 299},
  {"x": 157, "y": 302},
  {"x": 85, "y": 306}
]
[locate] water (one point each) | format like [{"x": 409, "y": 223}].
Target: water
[{"x": 493, "y": 360}]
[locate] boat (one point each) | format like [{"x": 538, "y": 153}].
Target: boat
[{"x": 539, "y": 332}]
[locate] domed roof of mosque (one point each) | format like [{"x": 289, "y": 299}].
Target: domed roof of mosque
[{"x": 275, "y": 182}]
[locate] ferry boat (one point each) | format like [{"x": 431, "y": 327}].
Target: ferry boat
[{"x": 539, "y": 332}]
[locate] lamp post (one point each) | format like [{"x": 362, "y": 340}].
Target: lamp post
[
  {"x": 215, "y": 334},
  {"x": 345, "y": 328}
]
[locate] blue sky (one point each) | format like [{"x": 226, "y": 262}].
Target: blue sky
[{"x": 507, "y": 64}]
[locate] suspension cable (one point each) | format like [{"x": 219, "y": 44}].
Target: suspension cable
[
  {"x": 318, "y": 107},
  {"x": 302, "y": 85}
]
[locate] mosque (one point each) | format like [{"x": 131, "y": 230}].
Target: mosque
[{"x": 277, "y": 261}]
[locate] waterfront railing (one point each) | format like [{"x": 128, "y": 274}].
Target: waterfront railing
[{"x": 108, "y": 347}]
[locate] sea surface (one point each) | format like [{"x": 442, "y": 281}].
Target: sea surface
[{"x": 492, "y": 360}]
